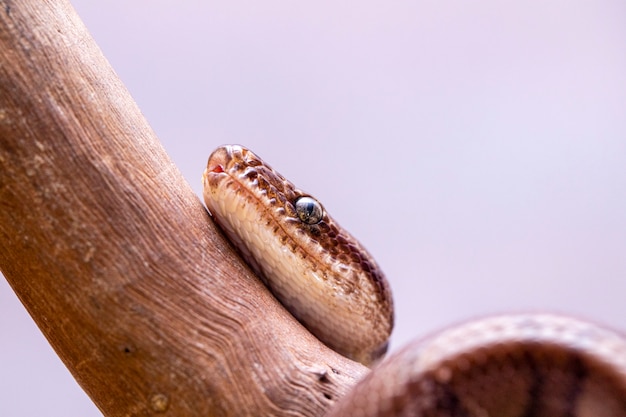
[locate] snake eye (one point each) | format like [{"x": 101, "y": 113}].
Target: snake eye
[{"x": 309, "y": 210}]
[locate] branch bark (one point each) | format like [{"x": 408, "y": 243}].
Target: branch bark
[{"x": 115, "y": 258}]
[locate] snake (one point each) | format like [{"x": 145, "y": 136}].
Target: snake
[{"x": 509, "y": 365}]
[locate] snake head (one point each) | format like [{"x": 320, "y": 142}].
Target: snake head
[{"x": 315, "y": 268}]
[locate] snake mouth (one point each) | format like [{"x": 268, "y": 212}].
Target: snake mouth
[
  {"x": 216, "y": 166},
  {"x": 217, "y": 169},
  {"x": 218, "y": 160}
]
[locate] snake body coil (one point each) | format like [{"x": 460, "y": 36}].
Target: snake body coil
[{"x": 522, "y": 365}]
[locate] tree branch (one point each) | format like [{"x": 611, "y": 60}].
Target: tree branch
[{"x": 116, "y": 259}]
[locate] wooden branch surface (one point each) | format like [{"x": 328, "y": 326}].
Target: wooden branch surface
[{"x": 116, "y": 259}]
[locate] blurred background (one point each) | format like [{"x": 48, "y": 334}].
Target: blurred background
[{"x": 478, "y": 151}]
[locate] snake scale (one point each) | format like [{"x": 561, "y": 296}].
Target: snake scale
[{"x": 506, "y": 366}]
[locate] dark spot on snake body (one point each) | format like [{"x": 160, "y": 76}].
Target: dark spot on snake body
[
  {"x": 326, "y": 229},
  {"x": 579, "y": 372},
  {"x": 315, "y": 231},
  {"x": 252, "y": 161},
  {"x": 251, "y": 174},
  {"x": 272, "y": 176},
  {"x": 262, "y": 183},
  {"x": 447, "y": 400},
  {"x": 367, "y": 267},
  {"x": 328, "y": 396},
  {"x": 534, "y": 391},
  {"x": 271, "y": 192},
  {"x": 343, "y": 258}
]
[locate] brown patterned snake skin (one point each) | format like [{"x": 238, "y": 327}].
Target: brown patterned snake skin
[{"x": 507, "y": 366}]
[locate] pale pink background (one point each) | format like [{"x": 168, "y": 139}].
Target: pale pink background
[{"x": 479, "y": 151}]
